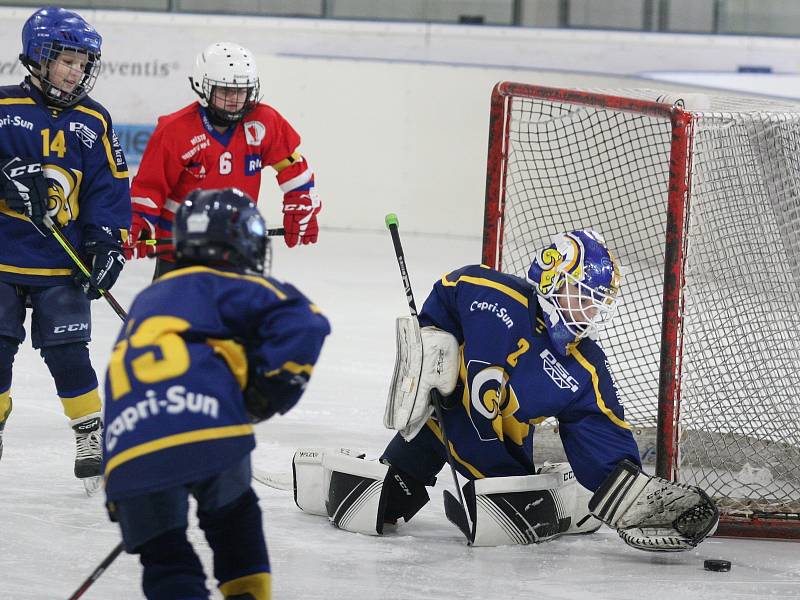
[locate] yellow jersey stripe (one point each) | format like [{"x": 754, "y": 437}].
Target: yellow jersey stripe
[
  {"x": 488, "y": 283},
  {"x": 17, "y": 101},
  {"x": 438, "y": 433},
  {"x": 179, "y": 439},
  {"x": 32, "y": 271},
  {"x": 596, "y": 383},
  {"x": 293, "y": 368},
  {"x": 106, "y": 142},
  {"x": 290, "y": 160},
  {"x": 202, "y": 269}
]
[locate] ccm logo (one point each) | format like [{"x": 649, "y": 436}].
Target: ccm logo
[
  {"x": 17, "y": 171},
  {"x": 71, "y": 327},
  {"x": 297, "y": 207}
]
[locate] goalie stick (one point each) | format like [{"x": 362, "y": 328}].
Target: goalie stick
[{"x": 454, "y": 510}]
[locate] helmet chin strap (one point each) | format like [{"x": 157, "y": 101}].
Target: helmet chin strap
[{"x": 560, "y": 335}]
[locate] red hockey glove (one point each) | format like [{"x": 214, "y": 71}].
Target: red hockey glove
[
  {"x": 141, "y": 230},
  {"x": 300, "y": 217}
]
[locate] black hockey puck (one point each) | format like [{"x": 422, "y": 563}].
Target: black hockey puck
[{"x": 717, "y": 565}]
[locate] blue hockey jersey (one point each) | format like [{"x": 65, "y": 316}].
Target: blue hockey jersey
[
  {"x": 174, "y": 409},
  {"x": 511, "y": 377},
  {"x": 87, "y": 175}
]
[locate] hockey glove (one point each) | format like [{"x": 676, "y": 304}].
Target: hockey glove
[
  {"x": 300, "y": 217},
  {"x": 24, "y": 188},
  {"x": 651, "y": 513},
  {"x": 265, "y": 396},
  {"x": 106, "y": 262},
  {"x": 141, "y": 230}
]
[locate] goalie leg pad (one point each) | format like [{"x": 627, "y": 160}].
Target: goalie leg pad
[
  {"x": 654, "y": 514},
  {"x": 355, "y": 500},
  {"x": 581, "y": 520},
  {"x": 310, "y": 487},
  {"x": 518, "y": 510}
]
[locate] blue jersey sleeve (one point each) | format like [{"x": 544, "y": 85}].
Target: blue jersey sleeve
[
  {"x": 593, "y": 429},
  {"x": 287, "y": 333},
  {"x": 105, "y": 195}
]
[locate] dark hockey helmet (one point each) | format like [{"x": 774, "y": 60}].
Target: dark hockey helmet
[
  {"x": 45, "y": 35},
  {"x": 220, "y": 227}
]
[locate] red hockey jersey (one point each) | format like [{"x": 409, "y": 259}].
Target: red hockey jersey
[{"x": 185, "y": 153}]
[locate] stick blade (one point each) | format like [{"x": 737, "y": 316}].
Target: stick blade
[{"x": 456, "y": 515}]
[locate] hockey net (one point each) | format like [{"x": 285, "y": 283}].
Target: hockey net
[{"x": 702, "y": 206}]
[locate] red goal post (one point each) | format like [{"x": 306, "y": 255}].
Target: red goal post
[{"x": 701, "y": 201}]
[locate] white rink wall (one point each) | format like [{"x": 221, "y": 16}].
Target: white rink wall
[{"x": 394, "y": 116}]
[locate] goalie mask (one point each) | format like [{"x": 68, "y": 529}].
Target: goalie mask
[
  {"x": 226, "y": 68},
  {"x": 62, "y": 51},
  {"x": 220, "y": 227},
  {"x": 577, "y": 281}
]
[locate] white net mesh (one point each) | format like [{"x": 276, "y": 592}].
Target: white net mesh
[{"x": 571, "y": 166}]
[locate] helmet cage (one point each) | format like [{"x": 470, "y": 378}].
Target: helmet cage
[
  {"x": 583, "y": 310},
  {"x": 253, "y": 90},
  {"x": 48, "y": 53}
]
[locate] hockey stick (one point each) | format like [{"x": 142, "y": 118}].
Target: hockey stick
[
  {"x": 73, "y": 254},
  {"x": 159, "y": 241},
  {"x": 277, "y": 481},
  {"x": 455, "y": 510},
  {"x": 97, "y": 572}
]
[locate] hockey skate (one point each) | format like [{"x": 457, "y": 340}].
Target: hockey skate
[
  {"x": 2, "y": 426},
  {"x": 89, "y": 455}
]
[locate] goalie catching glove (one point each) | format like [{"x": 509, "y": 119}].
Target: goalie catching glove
[
  {"x": 427, "y": 358},
  {"x": 654, "y": 514}
]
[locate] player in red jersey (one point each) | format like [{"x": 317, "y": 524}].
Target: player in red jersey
[{"x": 223, "y": 140}]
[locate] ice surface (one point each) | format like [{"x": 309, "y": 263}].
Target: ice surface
[{"x": 52, "y": 536}]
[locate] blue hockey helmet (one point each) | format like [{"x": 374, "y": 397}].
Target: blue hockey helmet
[
  {"x": 220, "y": 227},
  {"x": 577, "y": 280},
  {"x": 48, "y": 33}
]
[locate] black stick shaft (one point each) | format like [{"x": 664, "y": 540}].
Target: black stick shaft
[
  {"x": 97, "y": 572},
  {"x": 436, "y": 397},
  {"x": 270, "y": 233}
]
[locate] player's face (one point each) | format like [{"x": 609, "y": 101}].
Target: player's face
[
  {"x": 578, "y": 307},
  {"x": 66, "y": 71},
  {"x": 229, "y": 99}
]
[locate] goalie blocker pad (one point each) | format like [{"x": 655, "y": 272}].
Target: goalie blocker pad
[
  {"x": 355, "y": 494},
  {"x": 426, "y": 358},
  {"x": 654, "y": 514},
  {"x": 528, "y": 509}
]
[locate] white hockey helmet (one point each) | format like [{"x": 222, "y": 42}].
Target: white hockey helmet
[{"x": 229, "y": 65}]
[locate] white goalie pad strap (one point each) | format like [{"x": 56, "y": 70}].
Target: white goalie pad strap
[
  {"x": 427, "y": 358},
  {"x": 519, "y": 510},
  {"x": 654, "y": 514},
  {"x": 581, "y": 520},
  {"x": 354, "y": 499},
  {"x": 310, "y": 489}
]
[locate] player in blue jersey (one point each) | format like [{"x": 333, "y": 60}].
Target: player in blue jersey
[
  {"x": 508, "y": 353},
  {"x": 61, "y": 165},
  {"x": 207, "y": 350}
]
